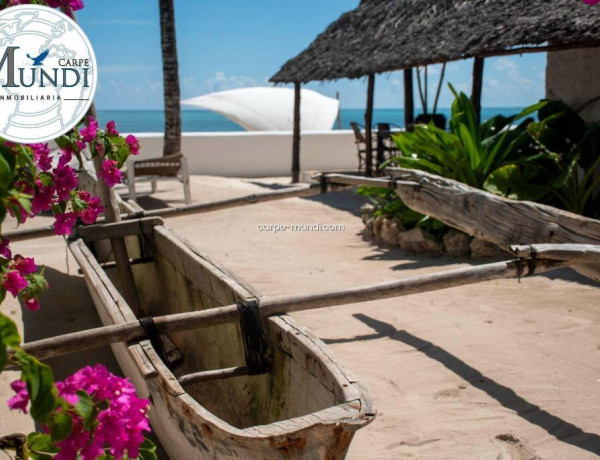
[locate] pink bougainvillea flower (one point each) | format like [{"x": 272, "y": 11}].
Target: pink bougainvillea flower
[
  {"x": 590, "y": 2},
  {"x": 63, "y": 224},
  {"x": 42, "y": 200},
  {"x": 25, "y": 265},
  {"x": 41, "y": 153},
  {"x": 21, "y": 400},
  {"x": 133, "y": 143},
  {"x": 80, "y": 145},
  {"x": 111, "y": 128},
  {"x": 24, "y": 187},
  {"x": 14, "y": 282},
  {"x": 65, "y": 157},
  {"x": 110, "y": 173},
  {"x": 100, "y": 148},
  {"x": 32, "y": 304},
  {"x": 65, "y": 180},
  {"x": 93, "y": 209},
  {"x": 88, "y": 133},
  {"x": 120, "y": 425},
  {"x": 4, "y": 249}
]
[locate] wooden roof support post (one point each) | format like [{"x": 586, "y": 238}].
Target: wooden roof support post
[
  {"x": 369, "y": 125},
  {"x": 477, "y": 85},
  {"x": 296, "y": 138},
  {"x": 409, "y": 101}
]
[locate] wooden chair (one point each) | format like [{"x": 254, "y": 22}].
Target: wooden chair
[
  {"x": 170, "y": 167},
  {"x": 361, "y": 145},
  {"x": 386, "y": 147}
]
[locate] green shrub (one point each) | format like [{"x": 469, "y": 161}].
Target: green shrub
[{"x": 551, "y": 160}]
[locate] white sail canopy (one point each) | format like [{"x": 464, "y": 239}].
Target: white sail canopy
[{"x": 270, "y": 109}]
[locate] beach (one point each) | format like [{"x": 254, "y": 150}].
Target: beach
[{"x": 502, "y": 369}]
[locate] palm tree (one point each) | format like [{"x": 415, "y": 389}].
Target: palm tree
[{"x": 172, "y": 143}]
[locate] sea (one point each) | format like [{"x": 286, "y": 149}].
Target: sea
[{"x": 147, "y": 121}]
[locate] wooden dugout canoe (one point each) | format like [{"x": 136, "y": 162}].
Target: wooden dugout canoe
[{"x": 307, "y": 406}]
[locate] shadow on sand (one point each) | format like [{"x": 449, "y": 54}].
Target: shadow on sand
[
  {"x": 343, "y": 200},
  {"x": 553, "y": 425},
  {"x": 67, "y": 307}
]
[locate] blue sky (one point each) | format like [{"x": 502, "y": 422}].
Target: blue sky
[{"x": 237, "y": 43}]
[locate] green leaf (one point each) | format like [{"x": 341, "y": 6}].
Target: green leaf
[
  {"x": 6, "y": 174},
  {"x": 469, "y": 143},
  {"x": 115, "y": 139},
  {"x": 40, "y": 386},
  {"x": 2, "y": 210},
  {"x": 8, "y": 332},
  {"x": 147, "y": 450},
  {"x": 514, "y": 181},
  {"x": 9, "y": 336},
  {"x": 86, "y": 409},
  {"x": 61, "y": 425},
  {"x": 41, "y": 446}
]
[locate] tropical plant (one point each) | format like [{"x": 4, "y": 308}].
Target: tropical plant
[
  {"x": 171, "y": 90},
  {"x": 474, "y": 153},
  {"x": 574, "y": 148},
  {"x": 552, "y": 160}
]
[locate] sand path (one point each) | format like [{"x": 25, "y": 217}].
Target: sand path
[{"x": 497, "y": 370}]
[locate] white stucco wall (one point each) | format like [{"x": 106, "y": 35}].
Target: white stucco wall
[
  {"x": 258, "y": 154},
  {"x": 574, "y": 77}
]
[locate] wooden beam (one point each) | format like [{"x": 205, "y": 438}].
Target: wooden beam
[
  {"x": 263, "y": 197},
  {"x": 477, "y": 85},
  {"x": 336, "y": 179},
  {"x": 500, "y": 220},
  {"x": 94, "y": 338},
  {"x": 217, "y": 374},
  {"x": 579, "y": 252},
  {"x": 117, "y": 229},
  {"x": 369, "y": 125},
  {"x": 409, "y": 99},
  {"x": 296, "y": 138},
  {"x": 198, "y": 208}
]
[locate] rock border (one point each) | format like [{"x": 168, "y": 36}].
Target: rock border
[{"x": 455, "y": 243}]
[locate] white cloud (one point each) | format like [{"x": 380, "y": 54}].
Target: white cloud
[
  {"x": 222, "y": 82},
  {"x": 191, "y": 87}
]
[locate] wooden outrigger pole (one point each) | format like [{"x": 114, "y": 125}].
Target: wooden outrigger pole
[
  {"x": 268, "y": 306},
  {"x": 196, "y": 208}
]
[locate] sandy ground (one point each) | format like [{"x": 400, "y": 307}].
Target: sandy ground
[{"x": 489, "y": 371}]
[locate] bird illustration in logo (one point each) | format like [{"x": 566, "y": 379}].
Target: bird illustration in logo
[{"x": 40, "y": 59}]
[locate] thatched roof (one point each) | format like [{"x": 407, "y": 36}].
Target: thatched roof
[{"x": 385, "y": 35}]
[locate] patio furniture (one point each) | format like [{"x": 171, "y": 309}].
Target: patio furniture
[
  {"x": 361, "y": 145},
  {"x": 170, "y": 167},
  {"x": 386, "y": 147}
]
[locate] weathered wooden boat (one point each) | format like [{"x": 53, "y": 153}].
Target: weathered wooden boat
[{"x": 301, "y": 404}]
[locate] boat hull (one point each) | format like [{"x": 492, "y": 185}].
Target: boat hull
[{"x": 307, "y": 406}]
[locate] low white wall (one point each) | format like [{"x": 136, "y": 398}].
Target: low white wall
[{"x": 258, "y": 154}]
